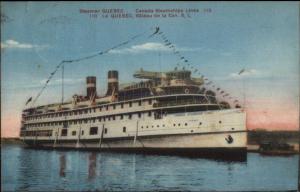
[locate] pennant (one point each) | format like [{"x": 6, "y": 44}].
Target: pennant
[
  {"x": 28, "y": 100},
  {"x": 155, "y": 32},
  {"x": 242, "y": 71}
]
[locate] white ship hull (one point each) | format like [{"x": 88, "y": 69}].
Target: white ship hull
[{"x": 193, "y": 133}]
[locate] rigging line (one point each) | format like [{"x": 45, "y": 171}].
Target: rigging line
[
  {"x": 88, "y": 57},
  {"x": 62, "y": 84},
  {"x": 176, "y": 52},
  {"x": 107, "y": 50},
  {"x": 40, "y": 92}
]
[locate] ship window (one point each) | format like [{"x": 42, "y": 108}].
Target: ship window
[
  {"x": 149, "y": 113},
  {"x": 163, "y": 125},
  {"x": 104, "y": 119},
  {"x": 75, "y": 122},
  {"x": 75, "y": 113},
  {"x": 114, "y": 106},
  {"x": 122, "y": 105},
  {"x": 106, "y": 107},
  {"x": 130, "y": 104},
  {"x": 174, "y": 124},
  {"x": 220, "y": 122},
  {"x": 86, "y": 111},
  {"x": 140, "y": 103},
  {"x": 147, "y": 126},
  {"x": 82, "y": 132},
  {"x": 185, "y": 124},
  {"x": 90, "y": 110},
  {"x": 71, "y": 122},
  {"x": 152, "y": 126},
  {"x": 139, "y": 114},
  {"x": 64, "y": 132},
  {"x": 94, "y": 120},
  {"x": 100, "y": 108},
  {"x": 109, "y": 118},
  {"x": 129, "y": 116},
  {"x": 93, "y": 130},
  {"x": 124, "y": 129},
  {"x": 94, "y": 110},
  {"x": 73, "y": 133},
  {"x": 142, "y": 127},
  {"x": 85, "y": 121},
  {"x": 121, "y": 116},
  {"x": 157, "y": 126},
  {"x": 113, "y": 117},
  {"x": 200, "y": 123},
  {"x": 150, "y": 101},
  {"x": 178, "y": 124},
  {"x": 99, "y": 119},
  {"x": 105, "y": 131}
]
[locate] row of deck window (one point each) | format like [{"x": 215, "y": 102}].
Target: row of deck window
[
  {"x": 92, "y": 131},
  {"x": 84, "y": 111},
  {"x": 91, "y": 120}
]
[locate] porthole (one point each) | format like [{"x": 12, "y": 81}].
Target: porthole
[
  {"x": 157, "y": 126},
  {"x": 174, "y": 124},
  {"x": 200, "y": 123},
  {"x": 178, "y": 124},
  {"x": 232, "y": 128},
  {"x": 220, "y": 122},
  {"x": 185, "y": 124}
]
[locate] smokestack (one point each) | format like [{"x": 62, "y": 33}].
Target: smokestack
[
  {"x": 113, "y": 82},
  {"x": 91, "y": 87}
]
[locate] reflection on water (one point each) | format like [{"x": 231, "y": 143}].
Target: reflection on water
[
  {"x": 62, "y": 163},
  {"x": 44, "y": 170},
  {"x": 92, "y": 165}
]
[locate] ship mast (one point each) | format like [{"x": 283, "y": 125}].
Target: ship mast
[{"x": 62, "y": 83}]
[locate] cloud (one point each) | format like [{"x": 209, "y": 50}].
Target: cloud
[
  {"x": 12, "y": 44},
  {"x": 149, "y": 47},
  {"x": 247, "y": 73}
]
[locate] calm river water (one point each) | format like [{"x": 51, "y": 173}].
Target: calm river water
[{"x": 46, "y": 170}]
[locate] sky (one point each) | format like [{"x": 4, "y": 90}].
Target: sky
[{"x": 219, "y": 40}]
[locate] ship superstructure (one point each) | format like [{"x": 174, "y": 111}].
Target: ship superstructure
[{"x": 166, "y": 111}]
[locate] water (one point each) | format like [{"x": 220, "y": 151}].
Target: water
[{"x": 46, "y": 170}]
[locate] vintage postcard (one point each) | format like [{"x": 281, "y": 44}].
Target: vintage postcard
[{"x": 149, "y": 96}]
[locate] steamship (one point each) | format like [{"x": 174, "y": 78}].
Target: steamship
[{"x": 164, "y": 112}]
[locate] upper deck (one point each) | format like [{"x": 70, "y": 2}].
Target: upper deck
[{"x": 163, "y": 90}]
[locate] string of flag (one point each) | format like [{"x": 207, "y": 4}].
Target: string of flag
[
  {"x": 183, "y": 62},
  {"x": 131, "y": 39}
]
